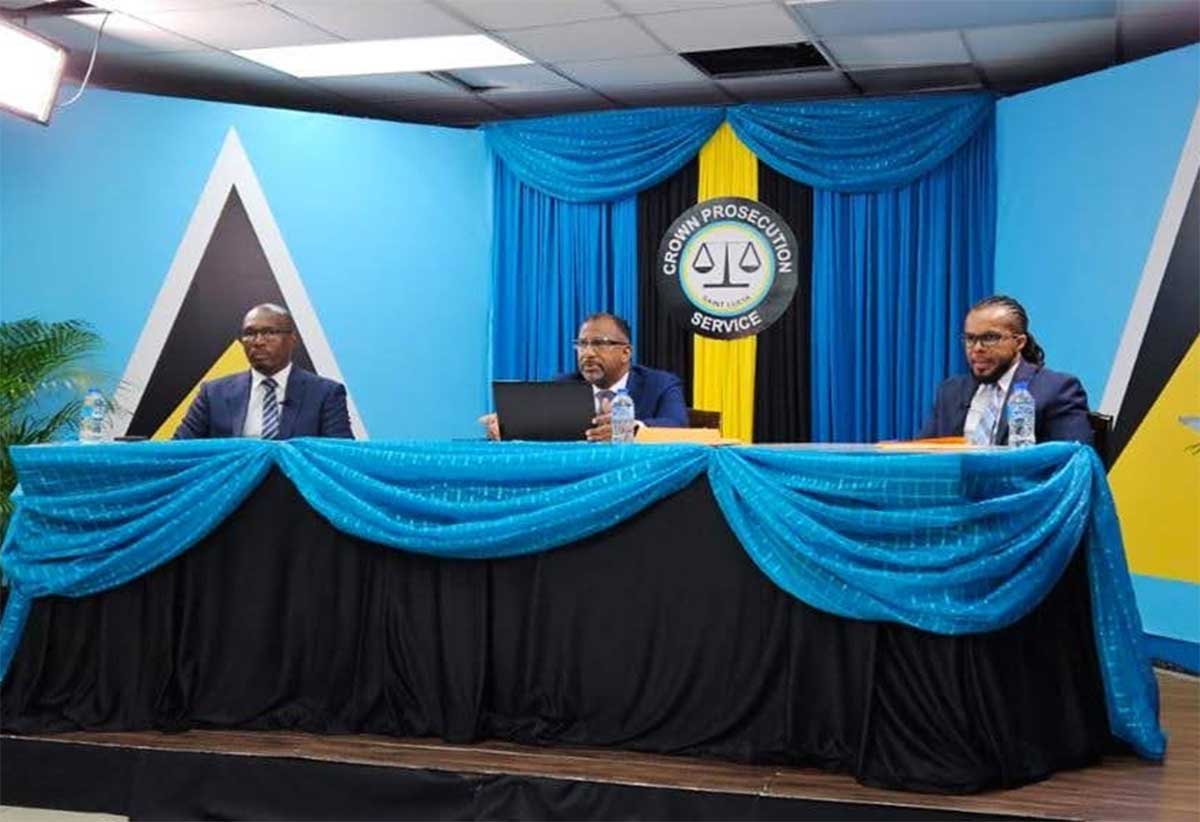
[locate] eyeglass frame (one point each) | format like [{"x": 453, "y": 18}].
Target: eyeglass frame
[
  {"x": 264, "y": 333},
  {"x": 598, "y": 344},
  {"x": 987, "y": 340}
]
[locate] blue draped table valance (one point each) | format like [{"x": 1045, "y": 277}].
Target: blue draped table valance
[{"x": 952, "y": 543}]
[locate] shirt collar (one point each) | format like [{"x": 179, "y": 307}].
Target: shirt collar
[
  {"x": 614, "y": 388},
  {"x": 1007, "y": 377},
  {"x": 280, "y": 377}
]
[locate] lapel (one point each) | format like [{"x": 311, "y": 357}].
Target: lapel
[
  {"x": 966, "y": 393},
  {"x": 238, "y": 401},
  {"x": 296, "y": 387},
  {"x": 1024, "y": 373},
  {"x": 634, "y": 386}
]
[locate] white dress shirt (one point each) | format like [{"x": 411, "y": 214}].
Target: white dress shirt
[
  {"x": 614, "y": 388},
  {"x": 986, "y": 394},
  {"x": 254, "y": 410}
]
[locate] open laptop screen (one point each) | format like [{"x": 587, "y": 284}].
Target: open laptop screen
[{"x": 543, "y": 410}]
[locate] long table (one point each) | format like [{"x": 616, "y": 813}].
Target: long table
[{"x": 659, "y": 633}]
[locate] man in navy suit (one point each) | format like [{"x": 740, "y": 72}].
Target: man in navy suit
[
  {"x": 1002, "y": 352},
  {"x": 274, "y": 399},
  {"x": 603, "y": 353}
]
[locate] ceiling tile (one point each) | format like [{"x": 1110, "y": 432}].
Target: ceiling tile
[
  {"x": 838, "y": 18},
  {"x": 656, "y": 6},
  {"x": 240, "y": 27},
  {"x": 791, "y": 86},
  {"x": 658, "y": 69},
  {"x": 122, "y": 34},
  {"x": 389, "y": 86},
  {"x": 759, "y": 24},
  {"x": 594, "y": 40},
  {"x": 376, "y": 19},
  {"x": 495, "y": 15},
  {"x": 683, "y": 94},
  {"x": 139, "y": 7},
  {"x": 515, "y": 78},
  {"x": 1035, "y": 41},
  {"x": 550, "y": 102},
  {"x": 923, "y": 49},
  {"x": 205, "y": 67},
  {"x": 923, "y": 78}
]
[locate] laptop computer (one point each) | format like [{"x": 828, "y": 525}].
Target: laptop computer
[{"x": 543, "y": 410}]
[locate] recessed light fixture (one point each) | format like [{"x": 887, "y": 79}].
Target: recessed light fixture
[
  {"x": 30, "y": 70},
  {"x": 387, "y": 56}
]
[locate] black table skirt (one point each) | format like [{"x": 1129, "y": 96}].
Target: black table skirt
[{"x": 658, "y": 635}]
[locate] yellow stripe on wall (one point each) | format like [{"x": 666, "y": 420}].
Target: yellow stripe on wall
[
  {"x": 230, "y": 362},
  {"x": 1156, "y": 481},
  {"x": 723, "y": 370}
]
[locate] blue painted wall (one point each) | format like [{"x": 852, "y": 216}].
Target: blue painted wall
[
  {"x": 1084, "y": 170},
  {"x": 1084, "y": 167},
  {"x": 387, "y": 223}
]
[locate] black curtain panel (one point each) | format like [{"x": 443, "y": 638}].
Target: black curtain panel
[
  {"x": 660, "y": 635},
  {"x": 662, "y": 341},
  {"x": 782, "y": 405}
]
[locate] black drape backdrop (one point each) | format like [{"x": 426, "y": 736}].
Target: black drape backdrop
[
  {"x": 662, "y": 341},
  {"x": 659, "y": 635},
  {"x": 782, "y": 404}
]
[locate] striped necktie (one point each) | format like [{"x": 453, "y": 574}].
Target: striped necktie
[
  {"x": 985, "y": 432},
  {"x": 270, "y": 410}
]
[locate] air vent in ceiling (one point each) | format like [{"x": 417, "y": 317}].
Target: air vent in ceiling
[
  {"x": 758, "y": 60},
  {"x": 452, "y": 79}
]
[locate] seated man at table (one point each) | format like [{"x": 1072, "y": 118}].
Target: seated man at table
[
  {"x": 604, "y": 354},
  {"x": 1001, "y": 352},
  {"x": 274, "y": 399}
]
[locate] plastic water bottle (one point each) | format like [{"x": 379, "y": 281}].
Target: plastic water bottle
[
  {"x": 1021, "y": 416},
  {"x": 91, "y": 417},
  {"x": 622, "y": 417}
]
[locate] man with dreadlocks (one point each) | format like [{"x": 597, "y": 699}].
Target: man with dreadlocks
[{"x": 1001, "y": 352}]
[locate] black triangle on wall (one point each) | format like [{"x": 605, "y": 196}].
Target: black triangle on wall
[
  {"x": 1173, "y": 326},
  {"x": 233, "y": 275}
]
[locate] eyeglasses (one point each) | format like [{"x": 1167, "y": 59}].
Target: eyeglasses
[
  {"x": 251, "y": 334},
  {"x": 989, "y": 339},
  {"x": 598, "y": 344}
]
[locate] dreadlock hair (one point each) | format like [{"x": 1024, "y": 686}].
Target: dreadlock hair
[{"x": 1031, "y": 352}]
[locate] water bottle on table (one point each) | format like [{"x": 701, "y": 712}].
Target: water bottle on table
[
  {"x": 91, "y": 417},
  {"x": 1021, "y": 416},
  {"x": 622, "y": 417}
]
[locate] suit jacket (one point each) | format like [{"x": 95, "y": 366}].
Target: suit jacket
[
  {"x": 1060, "y": 406},
  {"x": 657, "y": 396},
  {"x": 313, "y": 407}
]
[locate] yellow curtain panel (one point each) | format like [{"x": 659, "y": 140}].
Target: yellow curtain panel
[{"x": 723, "y": 370}]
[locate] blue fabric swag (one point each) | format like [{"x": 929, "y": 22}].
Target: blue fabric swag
[
  {"x": 950, "y": 543},
  {"x": 847, "y": 146}
]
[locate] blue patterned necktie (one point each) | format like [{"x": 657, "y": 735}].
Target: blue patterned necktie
[
  {"x": 986, "y": 430},
  {"x": 270, "y": 410},
  {"x": 604, "y": 400}
]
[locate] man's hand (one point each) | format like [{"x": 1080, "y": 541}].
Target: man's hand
[
  {"x": 492, "y": 423},
  {"x": 601, "y": 430}
]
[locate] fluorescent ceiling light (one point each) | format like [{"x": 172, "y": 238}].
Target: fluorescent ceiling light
[
  {"x": 30, "y": 70},
  {"x": 387, "y": 56}
]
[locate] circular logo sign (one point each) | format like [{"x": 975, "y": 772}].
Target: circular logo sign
[{"x": 727, "y": 267}]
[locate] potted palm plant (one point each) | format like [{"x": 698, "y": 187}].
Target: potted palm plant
[{"x": 43, "y": 376}]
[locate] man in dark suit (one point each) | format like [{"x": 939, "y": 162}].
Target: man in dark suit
[
  {"x": 604, "y": 355},
  {"x": 274, "y": 399},
  {"x": 1002, "y": 352}
]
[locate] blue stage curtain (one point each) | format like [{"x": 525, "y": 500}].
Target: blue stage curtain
[
  {"x": 860, "y": 145},
  {"x": 893, "y": 275},
  {"x": 951, "y": 543},
  {"x": 555, "y": 262},
  {"x": 602, "y": 156}
]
